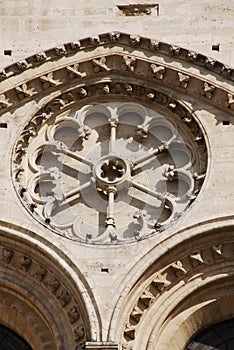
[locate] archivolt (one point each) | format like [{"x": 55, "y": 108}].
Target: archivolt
[
  {"x": 187, "y": 288},
  {"x": 43, "y": 291},
  {"x": 94, "y": 59}
]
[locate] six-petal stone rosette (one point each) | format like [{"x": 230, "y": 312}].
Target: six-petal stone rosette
[{"x": 109, "y": 172}]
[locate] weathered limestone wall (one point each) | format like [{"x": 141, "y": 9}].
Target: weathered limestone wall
[
  {"x": 111, "y": 277},
  {"x": 29, "y": 26}
]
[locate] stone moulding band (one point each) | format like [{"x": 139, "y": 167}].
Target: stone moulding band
[
  {"x": 78, "y": 70},
  {"x": 121, "y": 39}
]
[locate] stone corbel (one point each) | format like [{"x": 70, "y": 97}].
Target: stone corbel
[
  {"x": 114, "y": 36},
  {"x": 230, "y": 102},
  {"x": 183, "y": 80},
  {"x": 94, "y": 40},
  {"x": 158, "y": 71},
  {"x": 135, "y": 40},
  {"x": 75, "y": 45},
  {"x": 129, "y": 63},
  {"x": 208, "y": 90},
  {"x": 192, "y": 55},
  {"x": 154, "y": 45},
  {"x": 3, "y": 73},
  {"x": 60, "y": 50},
  {"x": 22, "y": 65},
  {"x": 174, "y": 50},
  {"x": 41, "y": 57}
]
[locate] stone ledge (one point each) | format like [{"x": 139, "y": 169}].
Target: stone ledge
[{"x": 101, "y": 346}]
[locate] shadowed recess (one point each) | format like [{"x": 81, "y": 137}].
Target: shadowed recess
[{"x": 9, "y": 340}]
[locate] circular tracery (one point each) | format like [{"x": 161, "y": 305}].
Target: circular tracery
[{"x": 109, "y": 172}]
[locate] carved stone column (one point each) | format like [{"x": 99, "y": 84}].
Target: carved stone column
[{"x": 101, "y": 346}]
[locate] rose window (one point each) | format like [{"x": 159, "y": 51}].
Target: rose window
[{"x": 109, "y": 172}]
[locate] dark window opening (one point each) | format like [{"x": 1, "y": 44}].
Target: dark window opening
[
  {"x": 226, "y": 122},
  {"x": 220, "y": 336},
  {"x": 11, "y": 340}
]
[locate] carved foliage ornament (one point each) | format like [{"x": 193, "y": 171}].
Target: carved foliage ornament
[{"x": 108, "y": 172}]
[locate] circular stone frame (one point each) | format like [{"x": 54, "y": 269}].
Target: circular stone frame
[{"x": 174, "y": 131}]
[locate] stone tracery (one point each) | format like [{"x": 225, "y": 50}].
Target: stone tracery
[{"x": 112, "y": 150}]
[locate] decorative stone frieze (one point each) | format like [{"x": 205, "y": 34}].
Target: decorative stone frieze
[
  {"x": 122, "y": 39},
  {"x": 112, "y": 65}
]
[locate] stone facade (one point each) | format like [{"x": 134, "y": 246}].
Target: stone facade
[{"x": 116, "y": 184}]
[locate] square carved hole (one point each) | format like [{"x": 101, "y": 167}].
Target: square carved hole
[
  {"x": 3, "y": 125},
  {"x": 7, "y": 52},
  {"x": 139, "y": 9},
  {"x": 215, "y": 47},
  {"x": 105, "y": 269}
]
